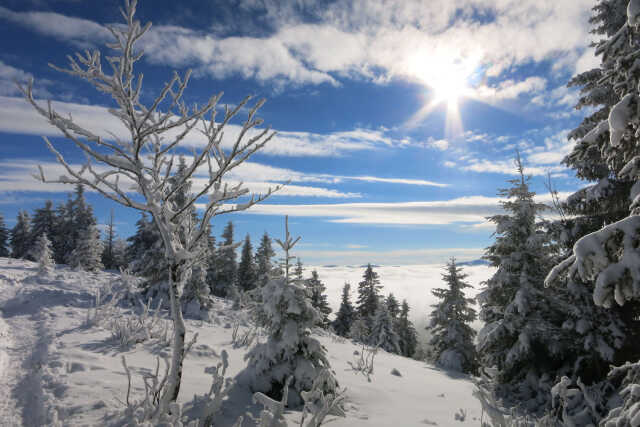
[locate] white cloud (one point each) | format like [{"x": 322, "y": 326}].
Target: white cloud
[
  {"x": 16, "y": 116},
  {"x": 510, "y": 89},
  {"x": 467, "y": 211},
  {"x": 80, "y": 31},
  {"x": 362, "y": 38}
]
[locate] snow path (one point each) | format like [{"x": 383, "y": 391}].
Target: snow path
[
  {"x": 10, "y": 351},
  {"x": 30, "y": 378}
]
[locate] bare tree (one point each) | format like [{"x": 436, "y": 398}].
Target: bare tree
[{"x": 145, "y": 158}]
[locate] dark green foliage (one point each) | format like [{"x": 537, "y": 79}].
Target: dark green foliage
[
  {"x": 319, "y": 297},
  {"x": 407, "y": 336},
  {"x": 264, "y": 256},
  {"x": 4, "y": 238},
  {"x": 345, "y": 315},
  {"x": 247, "y": 274},
  {"x": 21, "y": 243},
  {"x": 227, "y": 268},
  {"x": 368, "y": 295},
  {"x": 451, "y": 333}
]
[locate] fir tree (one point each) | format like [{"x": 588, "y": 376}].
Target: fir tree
[
  {"x": 393, "y": 307},
  {"x": 4, "y": 238},
  {"x": 451, "y": 334},
  {"x": 212, "y": 260},
  {"x": 264, "y": 255},
  {"x": 605, "y": 261},
  {"x": 247, "y": 275},
  {"x": 319, "y": 297},
  {"x": 43, "y": 255},
  {"x": 146, "y": 253},
  {"x": 368, "y": 295},
  {"x": 88, "y": 253},
  {"x": 407, "y": 335},
  {"x": 43, "y": 222},
  {"x": 346, "y": 313},
  {"x": 383, "y": 333},
  {"x": 290, "y": 350},
  {"x": 21, "y": 242},
  {"x": 227, "y": 265},
  {"x": 108, "y": 254},
  {"x": 62, "y": 241},
  {"x": 298, "y": 271},
  {"x": 522, "y": 331}
]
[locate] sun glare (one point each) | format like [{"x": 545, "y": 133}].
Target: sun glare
[{"x": 447, "y": 80}]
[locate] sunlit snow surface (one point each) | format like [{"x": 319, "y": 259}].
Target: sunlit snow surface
[{"x": 50, "y": 361}]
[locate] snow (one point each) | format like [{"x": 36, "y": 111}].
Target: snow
[
  {"x": 53, "y": 365},
  {"x": 619, "y": 118},
  {"x": 633, "y": 10}
]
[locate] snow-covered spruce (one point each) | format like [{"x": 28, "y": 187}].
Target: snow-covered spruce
[
  {"x": 88, "y": 253},
  {"x": 43, "y": 255},
  {"x": 383, "y": 334},
  {"x": 290, "y": 350},
  {"x": 346, "y": 313},
  {"x": 407, "y": 335},
  {"x": 144, "y": 161},
  {"x": 21, "y": 237},
  {"x": 522, "y": 331},
  {"x": 4, "y": 238},
  {"x": 319, "y": 301},
  {"x": 368, "y": 296},
  {"x": 451, "y": 334}
]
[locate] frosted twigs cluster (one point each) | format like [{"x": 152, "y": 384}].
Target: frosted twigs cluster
[
  {"x": 136, "y": 169},
  {"x": 363, "y": 362}
]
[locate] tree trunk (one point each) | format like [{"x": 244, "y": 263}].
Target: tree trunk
[{"x": 177, "y": 354}]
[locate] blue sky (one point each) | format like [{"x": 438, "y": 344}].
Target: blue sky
[{"x": 397, "y": 120}]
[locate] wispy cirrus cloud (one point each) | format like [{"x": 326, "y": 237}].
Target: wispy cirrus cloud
[
  {"x": 16, "y": 116},
  {"x": 468, "y": 211}
]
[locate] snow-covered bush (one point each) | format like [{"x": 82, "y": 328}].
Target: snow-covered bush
[
  {"x": 289, "y": 351},
  {"x": 363, "y": 361}
]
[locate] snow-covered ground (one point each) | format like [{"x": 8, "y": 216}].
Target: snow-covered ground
[{"x": 51, "y": 361}]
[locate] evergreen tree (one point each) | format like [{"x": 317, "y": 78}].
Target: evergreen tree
[
  {"x": 212, "y": 260},
  {"x": 21, "y": 243},
  {"x": 407, "y": 335},
  {"x": 290, "y": 350},
  {"x": 383, "y": 333},
  {"x": 120, "y": 253},
  {"x": 88, "y": 253},
  {"x": 43, "y": 222},
  {"x": 146, "y": 253},
  {"x": 522, "y": 335},
  {"x": 264, "y": 255},
  {"x": 392, "y": 306},
  {"x": 368, "y": 295},
  {"x": 43, "y": 255},
  {"x": 605, "y": 261},
  {"x": 346, "y": 313},
  {"x": 451, "y": 335},
  {"x": 247, "y": 275},
  {"x": 62, "y": 240},
  {"x": 108, "y": 254},
  {"x": 4, "y": 238},
  {"x": 319, "y": 297},
  {"x": 227, "y": 265},
  {"x": 298, "y": 271}
]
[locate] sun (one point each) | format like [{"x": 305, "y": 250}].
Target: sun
[{"x": 447, "y": 80}]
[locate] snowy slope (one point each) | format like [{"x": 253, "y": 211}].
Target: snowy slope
[{"x": 52, "y": 362}]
